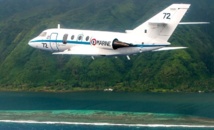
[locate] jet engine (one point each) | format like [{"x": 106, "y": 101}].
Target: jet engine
[{"x": 118, "y": 44}]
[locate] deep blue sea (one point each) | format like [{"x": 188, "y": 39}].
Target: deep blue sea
[{"x": 106, "y": 111}]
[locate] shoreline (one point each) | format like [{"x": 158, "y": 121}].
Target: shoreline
[{"x": 79, "y": 89}]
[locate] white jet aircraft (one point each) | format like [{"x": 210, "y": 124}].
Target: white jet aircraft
[{"x": 153, "y": 35}]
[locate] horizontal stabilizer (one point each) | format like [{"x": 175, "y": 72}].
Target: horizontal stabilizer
[
  {"x": 189, "y": 23},
  {"x": 170, "y": 48}
]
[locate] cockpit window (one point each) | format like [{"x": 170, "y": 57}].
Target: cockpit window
[{"x": 43, "y": 34}]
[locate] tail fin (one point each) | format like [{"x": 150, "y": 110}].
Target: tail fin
[{"x": 161, "y": 26}]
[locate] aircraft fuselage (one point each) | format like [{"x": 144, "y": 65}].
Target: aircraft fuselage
[{"x": 104, "y": 43}]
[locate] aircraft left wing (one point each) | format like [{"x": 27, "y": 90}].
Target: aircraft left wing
[
  {"x": 80, "y": 50},
  {"x": 93, "y": 51},
  {"x": 86, "y": 50}
]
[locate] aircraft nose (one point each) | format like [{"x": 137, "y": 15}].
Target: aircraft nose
[{"x": 30, "y": 43}]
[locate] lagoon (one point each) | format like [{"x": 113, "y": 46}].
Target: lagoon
[{"x": 144, "y": 110}]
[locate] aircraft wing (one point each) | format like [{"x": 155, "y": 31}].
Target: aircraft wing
[
  {"x": 80, "y": 50},
  {"x": 170, "y": 48},
  {"x": 88, "y": 50},
  {"x": 94, "y": 51}
]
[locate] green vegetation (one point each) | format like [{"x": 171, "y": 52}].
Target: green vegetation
[{"x": 25, "y": 68}]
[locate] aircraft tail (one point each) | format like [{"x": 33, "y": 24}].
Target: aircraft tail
[{"x": 160, "y": 27}]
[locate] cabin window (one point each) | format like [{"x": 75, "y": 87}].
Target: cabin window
[
  {"x": 80, "y": 37},
  {"x": 72, "y": 37},
  {"x": 65, "y": 37},
  {"x": 43, "y": 34},
  {"x": 145, "y": 30},
  {"x": 87, "y": 38}
]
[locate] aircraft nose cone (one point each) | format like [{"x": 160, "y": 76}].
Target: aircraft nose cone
[{"x": 30, "y": 43}]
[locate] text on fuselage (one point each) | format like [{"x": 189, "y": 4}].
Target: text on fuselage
[{"x": 100, "y": 42}]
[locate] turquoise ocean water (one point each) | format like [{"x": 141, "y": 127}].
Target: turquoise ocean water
[{"x": 106, "y": 110}]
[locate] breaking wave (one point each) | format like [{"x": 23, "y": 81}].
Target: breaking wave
[{"x": 106, "y": 124}]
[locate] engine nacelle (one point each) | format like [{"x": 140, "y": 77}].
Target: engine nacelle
[{"x": 109, "y": 44}]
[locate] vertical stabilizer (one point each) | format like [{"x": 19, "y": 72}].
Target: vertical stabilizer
[{"x": 160, "y": 27}]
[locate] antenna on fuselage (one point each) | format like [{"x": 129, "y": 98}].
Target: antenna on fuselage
[{"x": 58, "y": 26}]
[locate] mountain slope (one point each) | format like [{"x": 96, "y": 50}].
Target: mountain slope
[{"x": 24, "y": 67}]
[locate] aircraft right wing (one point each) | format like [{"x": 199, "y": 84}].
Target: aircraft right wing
[{"x": 170, "y": 48}]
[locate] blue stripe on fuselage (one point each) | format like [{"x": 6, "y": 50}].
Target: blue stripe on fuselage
[
  {"x": 61, "y": 41},
  {"x": 88, "y": 43}
]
